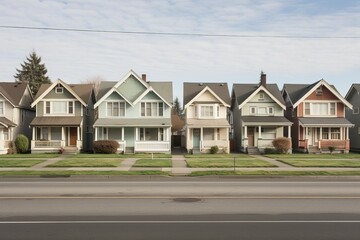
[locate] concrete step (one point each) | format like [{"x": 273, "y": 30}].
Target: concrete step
[{"x": 253, "y": 151}]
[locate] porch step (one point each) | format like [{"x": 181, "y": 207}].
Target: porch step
[
  {"x": 196, "y": 151},
  {"x": 70, "y": 150},
  {"x": 313, "y": 150},
  {"x": 253, "y": 151}
]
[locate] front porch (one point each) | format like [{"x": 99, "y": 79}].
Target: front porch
[
  {"x": 319, "y": 139},
  {"x": 52, "y": 139},
  {"x": 202, "y": 139},
  {"x": 6, "y": 139},
  {"x": 137, "y": 139}
]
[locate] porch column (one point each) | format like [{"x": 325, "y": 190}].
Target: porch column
[
  {"x": 245, "y": 132},
  {"x": 289, "y": 131},
  {"x": 260, "y": 132},
  {"x": 33, "y": 133},
  {"x": 96, "y": 133},
  {"x": 122, "y": 134},
  {"x": 78, "y": 133},
  {"x": 201, "y": 138},
  {"x": 341, "y": 134},
  {"x": 347, "y": 133},
  {"x": 320, "y": 137},
  {"x": 136, "y": 134}
]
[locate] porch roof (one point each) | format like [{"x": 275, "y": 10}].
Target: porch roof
[
  {"x": 56, "y": 121},
  {"x": 325, "y": 122},
  {"x": 266, "y": 121},
  {"x": 6, "y": 122},
  {"x": 207, "y": 123},
  {"x": 133, "y": 122}
]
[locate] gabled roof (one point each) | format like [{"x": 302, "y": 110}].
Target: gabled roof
[
  {"x": 299, "y": 92},
  {"x": 13, "y": 92},
  {"x": 81, "y": 92},
  {"x": 354, "y": 86},
  {"x": 193, "y": 90},
  {"x": 244, "y": 93},
  {"x": 161, "y": 89}
]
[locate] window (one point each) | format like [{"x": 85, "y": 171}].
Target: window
[
  {"x": 218, "y": 133},
  {"x": 218, "y": 111},
  {"x": 207, "y": 111},
  {"x": 355, "y": 110},
  {"x": 270, "y": 110},
  {"x": 319, "y": 91},
  {"x": 59, "y": 107},
  {"x": 2, "y": 104},
  {"x": 196, "y": 110},
  {"x": 151, "y": 134},
  {"x": 325, "y": 133},
  {"x": 115, "y": 109},
  {"x": 261, "y": 96},
  {"x": 6, "y": 133},
  {"x": 261, "y": 110},
  {"x": 335, "y": 133},
  {"x": 208, "y": 134},
  {"x": 320, "y": 108},
  {"x": 47, "y": 107},
  {"x": 71, "y": 107},
  {"x": 252, "y": 110},
  {"x": 152, "y": 109},
  {"x": 59, "y": 90}
]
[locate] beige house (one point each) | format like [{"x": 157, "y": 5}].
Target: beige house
[{"x": 206, "y": 107}]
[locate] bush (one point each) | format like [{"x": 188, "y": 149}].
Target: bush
[
  {"x": 282, "y": 144},
  {"x": 331, "y": 149},
  {"x": 105, "y": 146},
  {"x": 214, "y": 149},
  {"x": 22, "y": 144},
  {"x": 270, "y": 151}
]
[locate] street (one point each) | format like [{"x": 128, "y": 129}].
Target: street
[{"x": 179, "y": 209}]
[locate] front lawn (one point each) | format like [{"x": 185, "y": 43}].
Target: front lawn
[
  {"x": 87, "y": 162},
  {"x": 19, "y": 162},
  {"x": 153, "y": 163},
  {"x": 145, "y": 155},
  {"x": 314, "y": 156},
  {"x": 96, "y": 155},
  {"x": 321, "y": 163},
  {"x": 227, "y": 163},
  {"x": 275, "y": 173},
  {"x": 30, "y": 155},
  {"x": 71, "y": 173},
  {"x": 212, "y": 156}
]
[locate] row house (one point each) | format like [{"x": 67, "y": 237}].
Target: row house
[
  {"x": 317, "y": 112},
  {"x": 64, "y": 117},
  {"x": 206, "y": 107},
  {"x": 258, "y": 115},
  {"x": 15, "y": 113},
  {"x": 136, "y": 113}
]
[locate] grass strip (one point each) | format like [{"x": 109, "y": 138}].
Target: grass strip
[
  {"x": 215, "y": 163},
  {"x": 153, "y": 163},
  {"x": 19, "y": 162},
  {"x": 242, "y": 156},
  {"x": 314, "y": 156},
  {"x": 276, "y": 173},
  {"x": 322, "y": 163},
  {"x": 76, "y": 173},
  {"x": 145, "y": 155},
  {"x": 86, "y": 162},
  {"x": 28, "y": 155}
]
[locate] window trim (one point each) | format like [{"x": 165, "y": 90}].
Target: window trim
[
  {"x": 113, "y": 101},
  {"x": 161, "y": 133},
  {"x": 216, "y": 110},
  {"x": 320, "y": 102},
  {"x": 59, "y": 114},
  {"x": 59, "y": 88}
]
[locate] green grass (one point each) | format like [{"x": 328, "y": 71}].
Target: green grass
[
  {"x": 19, "y": 162},
  {"x": 89, "y": 155},
  {"x": 322, "y": 163},
  {"x": 314, "y": 156},
  {"x": 214, "y": 163},
  {"x": 72, "y": 173},
  {"x": 145, "y": 155},
  {"x": 218, "y": 156},
  {"x": 153, "y": 163},
  {"x": 32, "y": 155},
  {"x": 276, "y": 173},
  {"x": 87, "y": 162}
]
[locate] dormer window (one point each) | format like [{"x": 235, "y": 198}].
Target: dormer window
[
  {"x": 59, "y": 90},
  {"x": 319, "y": 91}
]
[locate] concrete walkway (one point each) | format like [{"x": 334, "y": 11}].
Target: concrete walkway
[
  {"x": 48, "y": 162},
  {"x": 179, "y": 165},
  {"x": 273, "y": 161}
]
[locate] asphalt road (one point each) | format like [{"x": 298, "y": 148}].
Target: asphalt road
[{"x": 181, "y": 209}]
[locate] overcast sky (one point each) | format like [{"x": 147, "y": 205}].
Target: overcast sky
[{"x": 77, "y": 56}]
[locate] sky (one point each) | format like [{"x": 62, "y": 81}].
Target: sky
[{"x": 320, "y": 40}]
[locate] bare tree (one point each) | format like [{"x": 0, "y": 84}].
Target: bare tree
[{"x": 95, "y": 80}]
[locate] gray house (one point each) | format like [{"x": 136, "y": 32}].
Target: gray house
[
  {"x": 15, "y": 112},
  {"x": 64, "y": 117},
  {"x": 353, "y": 115},
  {"x": 136, "y": 113},
  {"x": 258, "y": 115}
]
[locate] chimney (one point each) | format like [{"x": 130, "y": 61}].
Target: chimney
[
  {"x": 263, "y": 79},
  {"x": 143, "y": 77}
]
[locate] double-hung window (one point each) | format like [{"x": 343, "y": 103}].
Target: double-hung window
[
  {"x": 320, "y": 108},
  {"x": 59, "y": 107},
  {"x": 2, "y": 107},
  {"x": 152, "y": 109},
  {"x": 115, "y": 109}
]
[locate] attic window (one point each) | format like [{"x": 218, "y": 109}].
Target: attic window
[
  {"x": 319, "y": 91},
  {"x": 59, "y": 90},
  {"x": 261, "y": 96}
]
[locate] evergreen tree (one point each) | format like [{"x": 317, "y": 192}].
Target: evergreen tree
[
  {"x": 177, "y": 108},
  {"x": 32, "y": 71}
]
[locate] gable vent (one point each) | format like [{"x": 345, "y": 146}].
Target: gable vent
[{"x": 319, "y": 91}]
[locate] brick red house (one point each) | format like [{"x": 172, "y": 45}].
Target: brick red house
[{"x": 318, "y": 113}]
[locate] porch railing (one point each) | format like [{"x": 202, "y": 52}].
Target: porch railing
[
  {"x": 303, "y": 143},
  {"x": 152, "y": 146},
  {"x": 265, "y": 143},
  {"x": 46, "y": 144},
  {"x": 207, "y": 144},
  {"x": 338, "y": 144}
]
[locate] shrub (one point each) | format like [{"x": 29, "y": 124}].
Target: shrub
[
  {"x": 105, "y": 146},
  {"x": 214, "y": 149},
  {"x": 282, "y": 144},
  {"x": 22, "y": 144},
  {"x": 331, "y": 149},
  {"x": 270, "y": 151}
]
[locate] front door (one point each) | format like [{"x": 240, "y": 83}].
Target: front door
[
  {"x": 196, "y": 138},
  {"x": 250, "y": 137},
  {"x": 310, "y": 136},
  {"x": 73, "y": 136}
]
